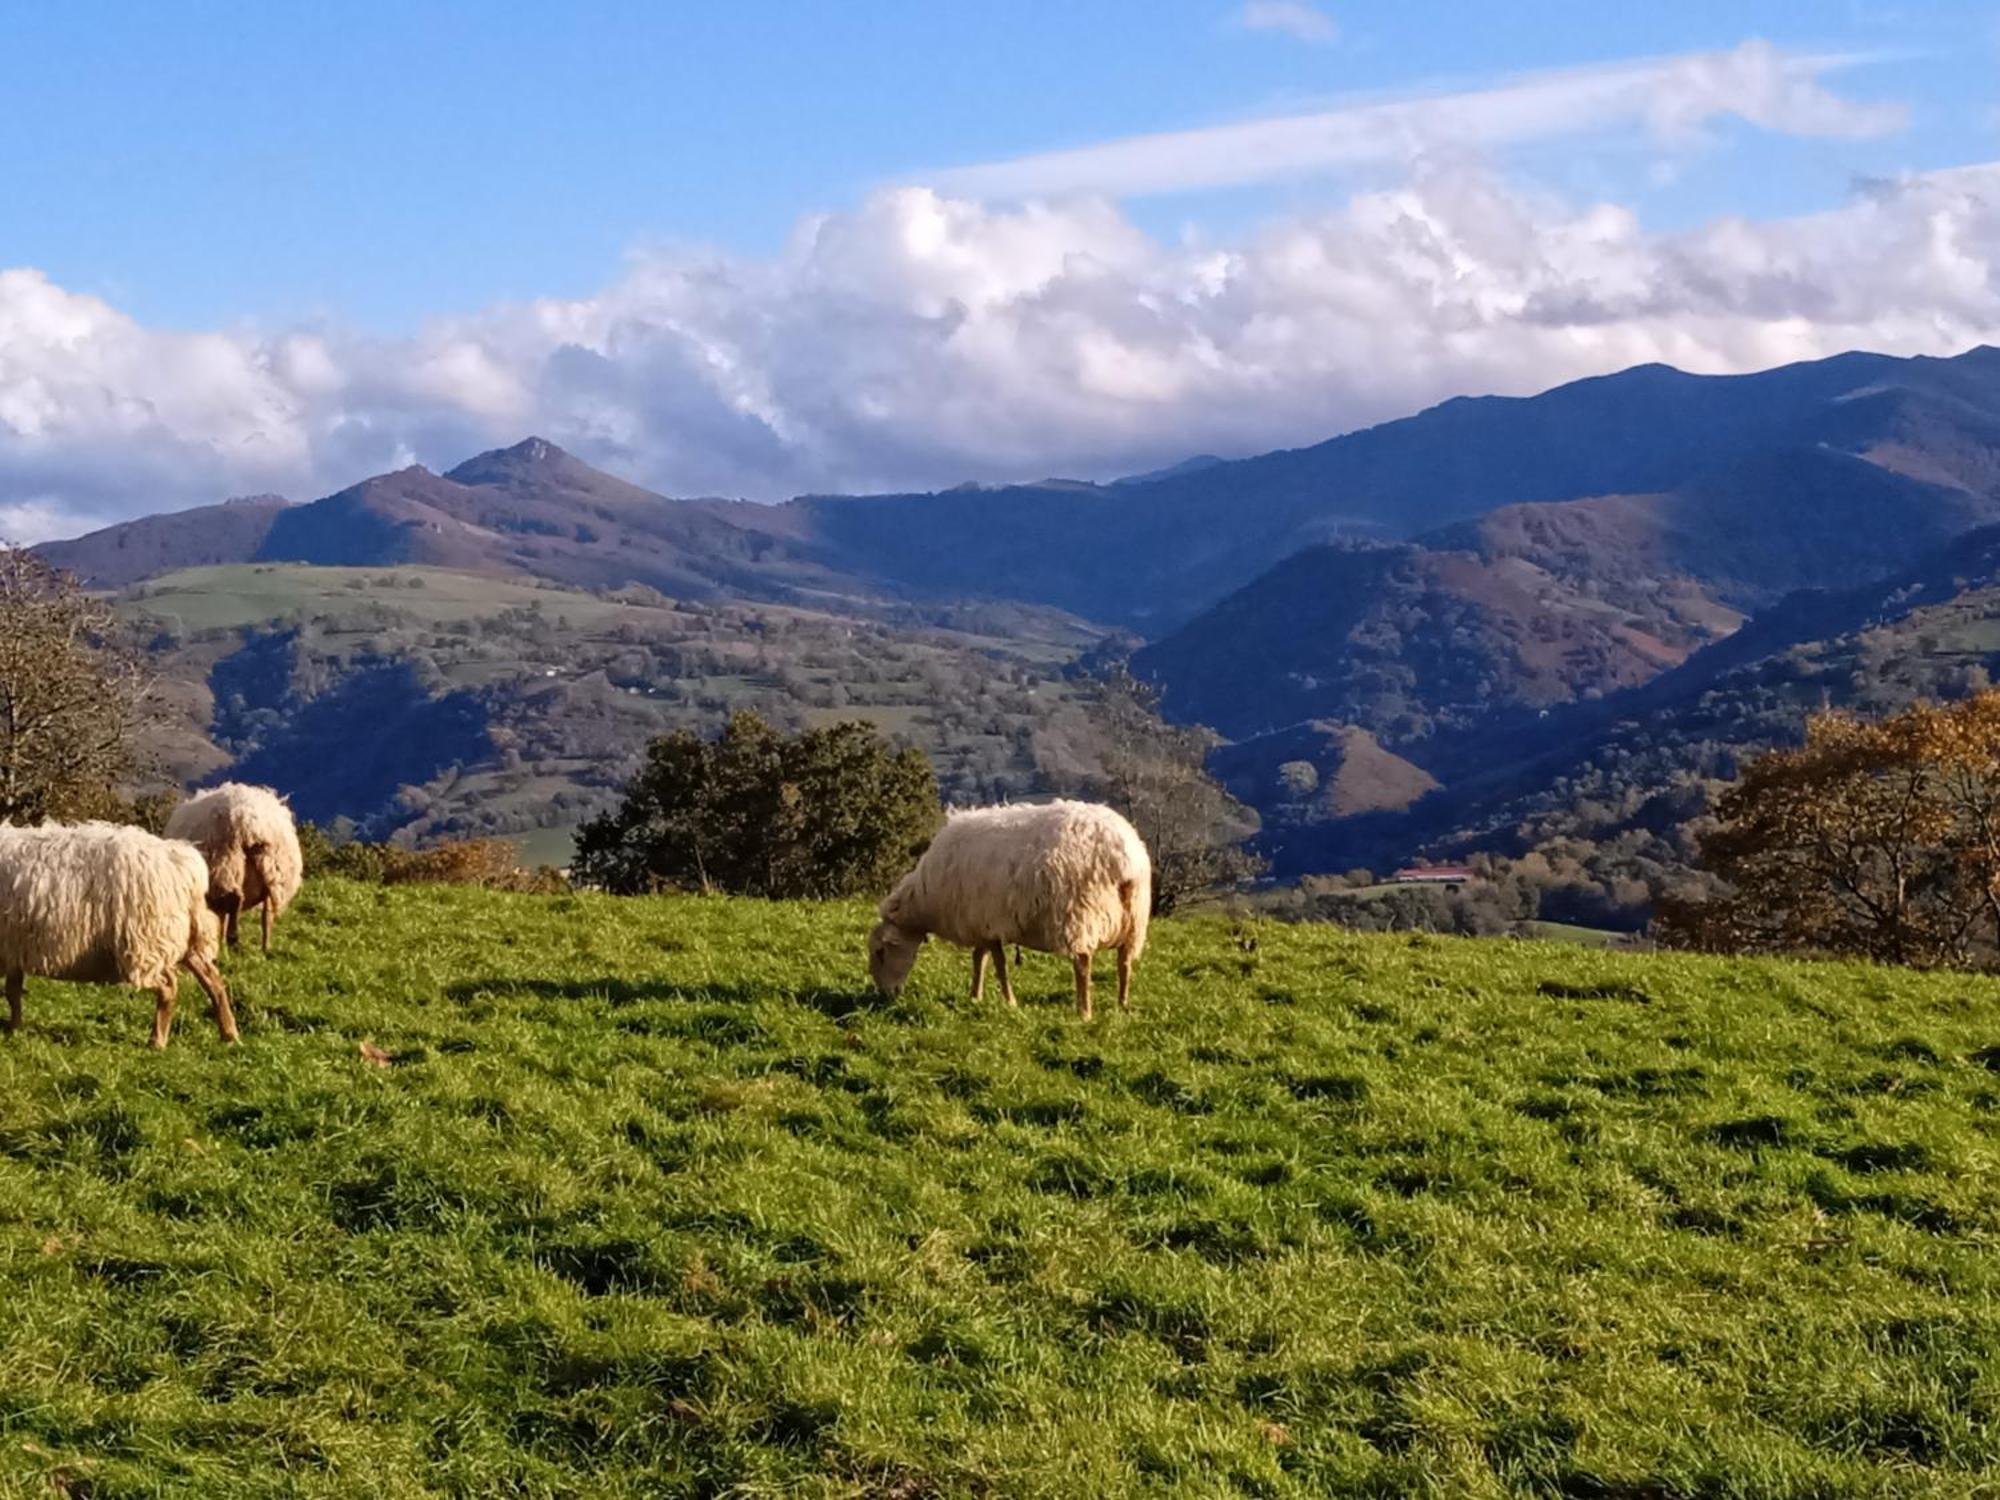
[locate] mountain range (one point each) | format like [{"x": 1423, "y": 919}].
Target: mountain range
[
  {"x": 1401, "y": 608},
  {"x": 1749, "y": 484}
]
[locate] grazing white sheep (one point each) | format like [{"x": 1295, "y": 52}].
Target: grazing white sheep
[
  {"x": 1062, "y": 877},
  {"x": 247, "y": 835},
  {"x": 100, "y": 904}
]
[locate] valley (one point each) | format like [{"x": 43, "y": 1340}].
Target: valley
[{"x": 431, "y": 703}]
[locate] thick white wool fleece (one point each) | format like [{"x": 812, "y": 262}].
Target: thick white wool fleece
[
  {"x": 1045, "y": 875},
  {"x": 101, "y": 904},
  {"x": 226, "y": 823}
]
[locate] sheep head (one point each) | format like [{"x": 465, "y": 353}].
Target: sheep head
[{"x": 892, "y": 953}]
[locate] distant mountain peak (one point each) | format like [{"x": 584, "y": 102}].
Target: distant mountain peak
[
  {"x": 533, "y": 450},
  {"x": 530, "y": 455},
  {"x": 533, "y": 461},
  {"x": 408, "y": 471}
]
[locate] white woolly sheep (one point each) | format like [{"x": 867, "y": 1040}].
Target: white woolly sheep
[
  {"x": 1061, "y": 877},
  {"x": 247, "y": 836},
  {"x": 99, "y": 904}
]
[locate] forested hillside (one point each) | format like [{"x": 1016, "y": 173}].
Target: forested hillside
[
  {"x": 1616, "y": 791},
  {"x": 427, "y": 703}
]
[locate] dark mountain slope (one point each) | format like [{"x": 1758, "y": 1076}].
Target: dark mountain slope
[
  {"x": 537, "y": 510},
  {"x": 531, "y": 509},
  {"x": 1404, "y": 641},
  {"x": 1640, "y": 761},
  {"x": 1950, "y": 594},
  {"x": 1151, "y": 554},
  {"x": 1539, "y": 604},
  {"x": 1746, "y": 533},
  {"x": 1350, "y": 774},
  {"x": 404, "y": 517},
  {"x": 210, "y": 534}
]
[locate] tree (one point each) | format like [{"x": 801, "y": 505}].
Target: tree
[
  {"x": 1876, "y": 839},
  {"x": 1156, "y": 773},
  {"x": 70, "y": 696},
  {"x": 1298, "y": 779},
  {"x": 821, "y": 814}
]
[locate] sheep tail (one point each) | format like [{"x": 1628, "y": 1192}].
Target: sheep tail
[
  {"x": 1136, "y": 896},
  {"x": 204, "y": 931}
]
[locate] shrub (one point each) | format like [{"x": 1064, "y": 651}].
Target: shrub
[
  {"x": 492, "y": 863},
  {"x": 817, "y": 815}
]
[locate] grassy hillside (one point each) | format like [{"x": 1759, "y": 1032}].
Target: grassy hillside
[
  {"x": 211, "y": 598},
  {"x": 653, "y": 1198},
  {"x": 508, "y": 706}
]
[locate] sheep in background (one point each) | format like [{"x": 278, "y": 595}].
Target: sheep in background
[
  {"x": 247, "y": 835},
  {"x": 99, "y": 904},
  {"x": 1062, "y": 877}
]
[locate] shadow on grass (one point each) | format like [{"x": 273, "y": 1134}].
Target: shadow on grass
[
  {"x": 838, "y": 1005},
  {"x": 611, "y": 990}
]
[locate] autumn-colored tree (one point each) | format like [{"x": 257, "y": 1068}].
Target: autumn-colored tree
[
  {"x": 69, "y": 696},
  {"x": 1878, "y": 839}
]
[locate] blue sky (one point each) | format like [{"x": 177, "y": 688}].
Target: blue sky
[
  {"x": 759, "y": 248},
  {"x": 199, "y": 163}
]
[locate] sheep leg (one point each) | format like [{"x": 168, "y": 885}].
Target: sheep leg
[
  {"x": 16, "y": 982},
  {"x": 1082, "y": 964},
  {"x": 978, "y": 972},
  {"x": 1006, "y": 979},
  {"x": 229, "y": 926},
  {"x": 266, "y": 909},
  {"x": 1125, "y": 977},
  {"x": 210, "y": 979},
  {"x": 163, "y": 1011}
]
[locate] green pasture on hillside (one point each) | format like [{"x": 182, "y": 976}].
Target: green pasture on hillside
[{"x": 655, "y": 1198}]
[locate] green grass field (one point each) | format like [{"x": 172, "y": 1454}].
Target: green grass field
[
  {"x": 653, "y": 1198},
  {"x": 238, "y": 595},
  {"x": 1569, "y": 932}
]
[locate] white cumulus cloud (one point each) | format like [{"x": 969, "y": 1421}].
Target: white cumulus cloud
[{"x": 921, "y": 339}]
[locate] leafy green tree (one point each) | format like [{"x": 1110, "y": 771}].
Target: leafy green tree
[{"x": 821, "y": 814}]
